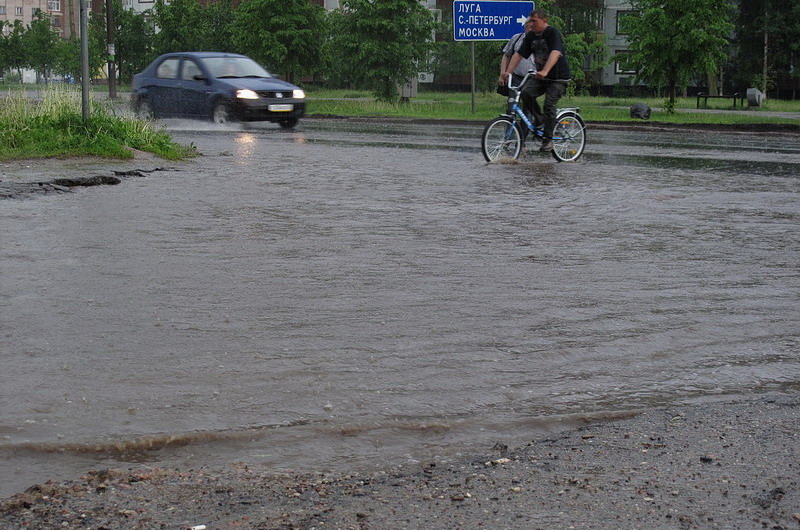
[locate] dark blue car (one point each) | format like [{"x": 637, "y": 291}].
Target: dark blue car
[{"x": 222, "y": 87}]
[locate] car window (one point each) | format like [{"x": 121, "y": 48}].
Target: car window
[
  {"x": 234, "y": 67},
  {"x": 190, "y": 69},
  {"x": 168, "y": 69}
]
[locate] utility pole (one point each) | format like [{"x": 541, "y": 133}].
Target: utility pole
[
  {"x": 764, "y": 73},
  {"x": 110, "y": 32},
  {"x": 85, "y": 59},
  {"x": 472, "y": 81}
]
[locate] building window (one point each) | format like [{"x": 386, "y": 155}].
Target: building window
[
  {"x": 621, "y": 16},
  {"x": 55, "y": 21},
  {"x": 622, "y": 63},
  {"x": 18, "y": 11},
  {"x": 2, "y": 10},
  {"x": 54, "y": 5}
]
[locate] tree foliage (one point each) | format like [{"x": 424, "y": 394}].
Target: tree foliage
[
  {"x": 780, "y": 21},
  {"x": 13, "y": 55},
  {"x": 284, "y": 35},
  {"x": 68, "y": 58},
  {"x": 584, "y": 43},
  {"x": 39, "y": 41},
  {"x": 672, "y": 42},
  {"x": 186, "y": 25},
  {"x": 133, "y": 41},
  {"x": 381, "y": 43}
]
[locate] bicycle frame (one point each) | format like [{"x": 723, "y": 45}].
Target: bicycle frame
[{"x": 515, "y": 110}]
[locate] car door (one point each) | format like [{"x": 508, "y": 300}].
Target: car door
[
  {"x": 194, "y": 89},
  {"x": 165, "y": 88}
]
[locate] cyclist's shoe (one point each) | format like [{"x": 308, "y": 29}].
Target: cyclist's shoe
[{"x": 547, "y": 146}]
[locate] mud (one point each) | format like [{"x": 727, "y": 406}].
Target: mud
[
  {"x": 726, "y": 464},
  {"x": 30, "y": 185}
]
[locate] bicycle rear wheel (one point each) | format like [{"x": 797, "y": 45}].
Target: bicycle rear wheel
[
  {"x": 501, "y": 139},
  {"x": 569, "y": 137}
]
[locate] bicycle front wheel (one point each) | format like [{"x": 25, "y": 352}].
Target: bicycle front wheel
[
  {"x": 501, "y": 139},
  {"x": 569, "y": 137}
]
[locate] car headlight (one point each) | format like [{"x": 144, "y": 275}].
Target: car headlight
[
  {"x": 298, "y": 94},
  {"x": 246, "y": 93}
]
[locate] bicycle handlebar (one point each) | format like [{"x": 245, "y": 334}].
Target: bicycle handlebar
[{"x": 529, "y": 74}]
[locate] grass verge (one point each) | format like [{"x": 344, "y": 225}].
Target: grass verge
[
  {"x": 453, "y": 105},
  {"x": 54, "y": 127}
]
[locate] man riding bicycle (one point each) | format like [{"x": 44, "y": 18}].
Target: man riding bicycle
[{"x": 546, "y": 45}]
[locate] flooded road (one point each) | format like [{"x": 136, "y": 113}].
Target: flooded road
[{"x": 352, "y": 294}]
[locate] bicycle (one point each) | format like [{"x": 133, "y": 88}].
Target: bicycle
[{"x": 503, "y": 136}]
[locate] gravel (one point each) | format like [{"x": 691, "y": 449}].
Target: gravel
[{"x": 722, "y": 464}]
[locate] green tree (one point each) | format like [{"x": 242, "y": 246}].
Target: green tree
[
  {"x": 767, "y": 44},
  {"x": 284, "y": 35},
  {"x": 67, "y": 57},
  {"x": 671, "y": 42},
  {"x": 382, "y": 42},
  {"x": 133, "y": 41},
  {"x": 185, "y": 25},
  {"x": 584, "y": 43},
  {"x": 39, "y": 41},
  {"x": 16, "y": 57},
  {"x": 98, "y": 44},
  {"x": 219, "y": 16},
  {"x": 3, "y": 47}
]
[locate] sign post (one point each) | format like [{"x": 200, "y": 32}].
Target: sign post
[{"x": 487, "y": 20}]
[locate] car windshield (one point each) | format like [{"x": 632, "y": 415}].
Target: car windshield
[{"x": 234, "y": 67}]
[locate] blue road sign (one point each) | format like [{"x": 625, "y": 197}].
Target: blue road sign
[{"x": 488, "y": 19}]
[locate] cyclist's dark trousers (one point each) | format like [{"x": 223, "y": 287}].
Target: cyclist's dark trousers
[{"x": 552, "y": 90}]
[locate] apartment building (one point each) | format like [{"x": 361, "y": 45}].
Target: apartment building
[
  {"x": 617, "y": 72},
  {"x": 25, "y": 10}
]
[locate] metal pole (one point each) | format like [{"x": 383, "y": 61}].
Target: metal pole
[
  {"x": 472, "y": 49},
  {"x": 85, "y": 59},
  {"x": 110, "y": 32}
]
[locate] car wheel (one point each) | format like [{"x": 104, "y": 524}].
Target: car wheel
[
  {"x": 144, "y": 111},
  {"x": 221, "y": 113},
  {"x": 288, "y": 124}
]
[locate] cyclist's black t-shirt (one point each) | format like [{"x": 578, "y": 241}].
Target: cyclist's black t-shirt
[{"x": 541, "y": 46}]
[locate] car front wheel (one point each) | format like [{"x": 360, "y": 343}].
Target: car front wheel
[
  {"x": 144, "y": 111},
  {"x": 221, "y": 113},
  {"x": 288, "y": 124}
]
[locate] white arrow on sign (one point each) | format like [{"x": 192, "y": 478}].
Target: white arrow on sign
[{"x": 522, "y": 20}]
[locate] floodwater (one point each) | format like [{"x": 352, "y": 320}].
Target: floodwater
[{"x": 349, "y": 295}]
